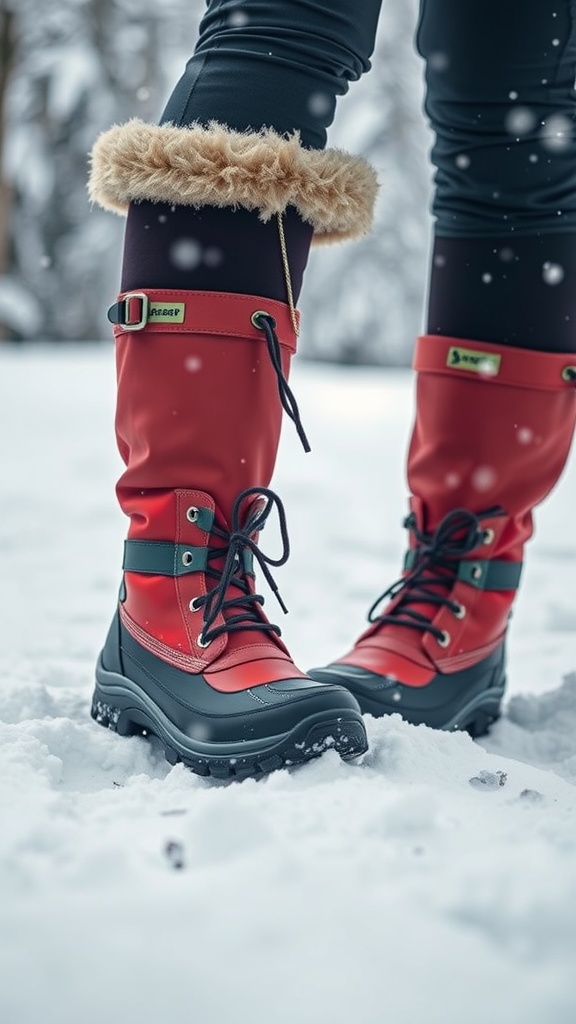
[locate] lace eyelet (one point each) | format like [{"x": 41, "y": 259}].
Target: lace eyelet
[
  {"x": 192, "y": 514},
  {"x": 488, "y": 536},
  {"x": 187, "y": 558},
  {"x": 459, "y": 612},
  {"x": 192, "y": 606},
  {"x": 201, "y": 642},
  {"x": 255, "y": 318},
  {"x": 444, "y": 640},
  {"x": 569, "y": 374},
  {"x": 476, "y": 572}
]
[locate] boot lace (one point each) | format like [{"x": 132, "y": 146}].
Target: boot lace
[
  {"x": 233, "y": 573},
  {"x": 266, "y": 323},
  {"x": 434, "y": 571}
]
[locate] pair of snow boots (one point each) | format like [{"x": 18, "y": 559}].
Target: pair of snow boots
[{"x": 202, "y": 385}]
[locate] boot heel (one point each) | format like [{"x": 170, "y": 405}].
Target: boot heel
[
  {"x": 106, "y": 715},
  {"x": 481, "y": 723}
]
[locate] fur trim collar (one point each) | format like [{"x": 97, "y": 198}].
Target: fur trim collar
[{"x": 196, "y": 166}]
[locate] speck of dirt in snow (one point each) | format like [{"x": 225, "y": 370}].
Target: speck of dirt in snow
[
  {"x": 488, "y": 780},
  {"x": 532, "y": 796},
  {"x": 174, "y": 853}
]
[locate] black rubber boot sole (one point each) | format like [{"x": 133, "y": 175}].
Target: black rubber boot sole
[
  {"x": 116, "y": 706},
  {"x": 466, "y": 701}
]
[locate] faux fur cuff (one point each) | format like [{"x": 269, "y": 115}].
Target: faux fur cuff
[{"x": 214, "y": 166}]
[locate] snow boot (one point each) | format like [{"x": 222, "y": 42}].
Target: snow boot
[
  {"x": 492, "y": 433},
  {"x": 202, "y": 382}
]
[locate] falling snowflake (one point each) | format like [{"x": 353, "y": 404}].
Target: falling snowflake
[
  {"x": 525, "y": 435},
  {"x": 556, "y": 133},
  {"x": 452, "y": 480},
  {"x": 520, "y": 121},
  {"x": 552, "y": 273},
  {"x": 487, "y": 368},
  {"x": 193, "y": 364},
  {"x": 213, "y": 257},
  {"x": 238, "y": 18},
  {"x": 483, "y": 478},
  {"x": 185, "y": 254},
  {"x": 438, "y": 61},
  {"x": 319, "y": 104}
]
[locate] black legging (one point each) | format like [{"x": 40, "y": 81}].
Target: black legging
[{"x": 500, "y": 98}]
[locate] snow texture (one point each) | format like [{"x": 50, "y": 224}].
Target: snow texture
[{"x": 434, "y": 882}]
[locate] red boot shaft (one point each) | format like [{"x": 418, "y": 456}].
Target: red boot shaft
[
  {"x": 493, "y": 426},
  {"x": 180, "y": 387},
  {"x": 194, "y": 395},
  {"x": 492, "y": 433}
]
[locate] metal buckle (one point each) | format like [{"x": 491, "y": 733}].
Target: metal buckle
[{"x": 141, "y": 323}]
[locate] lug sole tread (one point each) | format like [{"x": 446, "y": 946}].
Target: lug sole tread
[{"x": 346, "y": 736}]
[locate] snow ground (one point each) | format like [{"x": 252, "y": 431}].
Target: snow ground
[{"x": 435, "y": 881}]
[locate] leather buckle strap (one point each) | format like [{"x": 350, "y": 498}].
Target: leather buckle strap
[
  {"x": 222, "y": 314},
  {"x": 131, "y": 312}
]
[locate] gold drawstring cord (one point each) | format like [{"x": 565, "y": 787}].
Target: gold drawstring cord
[{"x": 287, "y": 277}]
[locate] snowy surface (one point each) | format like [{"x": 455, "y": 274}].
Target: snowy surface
[{"x": 435, "y": 881}]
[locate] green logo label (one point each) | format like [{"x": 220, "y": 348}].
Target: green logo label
[
  {"x": 167, "y": 313},
  {"x": 483, "y": 363}
]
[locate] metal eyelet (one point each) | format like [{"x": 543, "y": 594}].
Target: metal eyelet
[
  {"x": 192, "y": 606},
  {"x": 476, "y": 572},
  {"x": 256, "y": 317},
  {"x": 443, "y": 640},
  {"x": 192, "y": 514},
  {"x": 201, "y": 642},
  {"x": 459, "y": 612},
  {"x": 488, "y": 536},
  {"x": 187, "y": 558},
  {"x": 569, "y": 373}
]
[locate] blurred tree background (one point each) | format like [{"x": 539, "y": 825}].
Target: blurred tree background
[{"x": 71, "y": 68}]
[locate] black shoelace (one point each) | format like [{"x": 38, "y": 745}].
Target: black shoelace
[
  {"x": 233, "y": 572},
  {"x": 436, "y": 563},
  {"x": 266, "y": 323}
]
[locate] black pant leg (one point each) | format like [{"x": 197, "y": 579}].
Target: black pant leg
[
  {"x": 275, "y": 63},
  {"x": 501, "y": 101}
]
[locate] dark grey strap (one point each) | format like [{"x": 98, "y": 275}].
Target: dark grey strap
[
  {"x": 482, "y": 574},
  {"x": 490, "y": 575},
  {"x": 203, "y": 518},
  {"x": 159, "y": 558}
]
